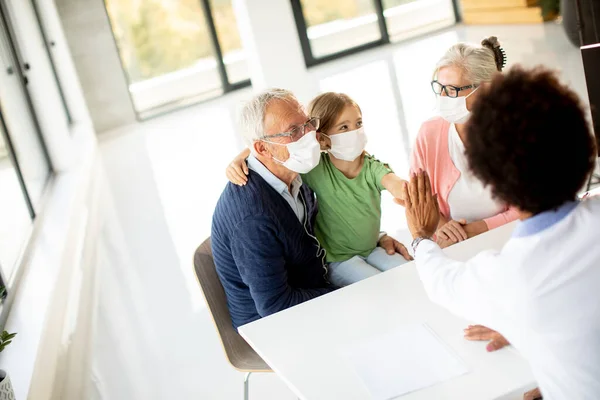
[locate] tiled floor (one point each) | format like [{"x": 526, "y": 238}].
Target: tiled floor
[{"x": 166, "y": 175}]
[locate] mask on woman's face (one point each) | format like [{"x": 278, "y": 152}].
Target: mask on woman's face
[
  {"x": 304, "y": 153},
  {"x": 453, "y": 109},
  {"x": 348, "y": 145}
]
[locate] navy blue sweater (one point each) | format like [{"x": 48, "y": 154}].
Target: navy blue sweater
[{"x": 266, "y": 259}]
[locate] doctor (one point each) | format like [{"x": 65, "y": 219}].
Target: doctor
[{"x": 528, "y": 139}]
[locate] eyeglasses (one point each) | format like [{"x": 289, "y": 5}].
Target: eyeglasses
[
  {"x": 451, "y": 91},
  {"x": 297, "y": 132}
]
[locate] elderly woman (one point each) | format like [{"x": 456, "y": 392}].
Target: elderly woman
[
  {"x": 541, "y": 290},
  {"x": 467, "y": 208}
]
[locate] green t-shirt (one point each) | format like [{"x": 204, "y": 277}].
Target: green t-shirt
[{"x": 349, "y": 214}]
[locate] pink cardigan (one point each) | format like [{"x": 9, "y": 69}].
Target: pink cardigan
[{"x": 431, "y": 154}]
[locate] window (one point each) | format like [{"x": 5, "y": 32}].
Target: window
[
  {"x": 229, "y": 38},
  {"x": 175, "y": 52},
  {"x": 329, "y": 29},
  {"x": 24, "y": 165},
  {"x": 14, "y": 215},
  {"x": 407, "y": 18},
  {"x": 334, "y": 26}
]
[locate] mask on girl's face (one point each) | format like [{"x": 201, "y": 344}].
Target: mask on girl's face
[
  {"x": 348, "y": 145},
  {"x": 453, "y": 109},
  {"x": 304, "y": 153}
]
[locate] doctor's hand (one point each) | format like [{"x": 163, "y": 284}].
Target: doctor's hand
[
  {"x": 480, "y": 332},
  {"x": 422, "y": 210},
  {"x": 453, "y": 231},
  {"x": 391, "y": 246}
]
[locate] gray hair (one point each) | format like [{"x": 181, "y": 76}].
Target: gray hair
[
  {"x": 478, "y": 63},
  {"x": 253, "y": 114}
]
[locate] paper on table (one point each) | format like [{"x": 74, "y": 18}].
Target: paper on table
[{"x": 403, "y": 361}]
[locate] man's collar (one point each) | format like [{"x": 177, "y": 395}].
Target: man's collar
[{"x": 255, "y": 165}]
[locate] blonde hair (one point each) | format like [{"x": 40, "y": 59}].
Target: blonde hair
[
  {"x": 328, "y": 106},
  {"x": 479, "y": 63}
]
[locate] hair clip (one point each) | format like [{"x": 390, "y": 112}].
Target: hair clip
[{"x": 503, "y": 60}]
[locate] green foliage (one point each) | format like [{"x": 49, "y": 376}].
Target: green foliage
[
  {"x": 156, "y": 36},
  {"x": 549, "y": 7},
  {"x": 5, "y": 337},
  {"x": 318, "y": 12}
]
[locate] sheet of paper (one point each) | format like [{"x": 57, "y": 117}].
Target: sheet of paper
[{"x": 403, "y": 361}]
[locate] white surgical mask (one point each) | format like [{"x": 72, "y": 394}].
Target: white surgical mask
[
  {"x": 348, "y": 145},
  {"x": 304, "y": 153},
  {"x": 453, "y": 109}
]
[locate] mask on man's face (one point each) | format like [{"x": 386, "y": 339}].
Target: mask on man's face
[
  {"x": 303, "y": 154},
  {"x": 453, "y": 109}
]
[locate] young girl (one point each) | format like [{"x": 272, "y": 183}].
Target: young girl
[{"x": 348, "y": 183}]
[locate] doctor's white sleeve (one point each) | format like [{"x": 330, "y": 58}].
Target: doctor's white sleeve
[{"x": 471, "y": 289}]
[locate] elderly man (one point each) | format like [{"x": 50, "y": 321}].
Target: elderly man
[{"x": 265, "y": 250}]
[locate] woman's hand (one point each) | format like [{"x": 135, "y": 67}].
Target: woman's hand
[
  {"x": 237, "y": 171},
  {"x": 480, "y": 332},
  {"x": 422, "y": 210},
  {"x": 453, "y": 231}
]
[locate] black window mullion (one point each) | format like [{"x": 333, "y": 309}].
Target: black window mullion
[
  {"x": 347, "y": 52},
  {"x": 311, "y": 60},
  {"x": 214, "y": 39},
  {"x": 385, "y": 36},
  {"x": 302, "y": 28},
  {"x": 15, "y": 161},
  {"x": 456, "y": 9},
  {"x": 239, "y": 85}
]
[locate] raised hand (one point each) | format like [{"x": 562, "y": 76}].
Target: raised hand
[{"x": 422, "y": 209}]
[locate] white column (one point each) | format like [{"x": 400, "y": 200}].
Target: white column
[{"x": 272, "y": 47}]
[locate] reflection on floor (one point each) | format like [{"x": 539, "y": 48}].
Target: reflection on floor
[{"x": 166, "y": 174}]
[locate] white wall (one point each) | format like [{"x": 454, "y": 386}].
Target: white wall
[{"x": 94, "y": 51}]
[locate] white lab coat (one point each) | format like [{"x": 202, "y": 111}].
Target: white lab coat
[{"x": 541, "y": 291}]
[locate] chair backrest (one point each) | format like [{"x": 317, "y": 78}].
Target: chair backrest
[{"x": 237, "y": 350}]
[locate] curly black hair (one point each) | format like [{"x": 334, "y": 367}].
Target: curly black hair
[{"x": 528, "y": 138}]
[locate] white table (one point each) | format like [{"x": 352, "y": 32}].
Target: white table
[{"x": 304, "y": 344}]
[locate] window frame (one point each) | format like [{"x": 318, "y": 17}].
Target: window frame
[
  {"x": 226, "y": 85},
  {"x": 309, "y": 57},
  {"x": 12, "y": 281},
  {"x": 15, "y": 162}
]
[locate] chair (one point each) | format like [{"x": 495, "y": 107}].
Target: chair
[{"x": 238, "y": 352}]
